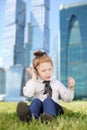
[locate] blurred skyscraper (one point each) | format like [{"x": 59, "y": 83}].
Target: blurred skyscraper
[
  {"x": 13, "y": 39},
  {"x": 13, "y": 50},
  {"x": 73, "y": 31},
  {"x": 14, "y": 83},
  {"x": 2, "y": 10},
  {"x": 27, "y": 46},
  {"x": 40, "y": 33},
  {"x": 54, "y": 55},
  {"x": 2, "y": 83}
]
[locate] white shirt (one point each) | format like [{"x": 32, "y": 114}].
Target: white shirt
[{"x": 36, "y": 89}]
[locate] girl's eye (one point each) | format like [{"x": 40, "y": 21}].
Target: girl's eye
[{"x": 43, "y": 70}]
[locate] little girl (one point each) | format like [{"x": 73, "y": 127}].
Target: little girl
[{"x": 45, "y": 91}]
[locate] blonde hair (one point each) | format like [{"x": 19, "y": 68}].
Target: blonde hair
[{"x": 40, "y": 57}]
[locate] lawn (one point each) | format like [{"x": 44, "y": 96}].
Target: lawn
[{"x": 75, "y": 118}]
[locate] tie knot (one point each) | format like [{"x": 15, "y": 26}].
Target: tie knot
[{"x": 46, "y": 82}]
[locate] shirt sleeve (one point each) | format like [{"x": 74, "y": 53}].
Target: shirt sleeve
[
  {"x": 29, "y": 88},
  {"x": 66, "y": 94}
]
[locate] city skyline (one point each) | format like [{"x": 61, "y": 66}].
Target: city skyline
[
  {"x": 54, "y": 15},
  {"x": 54, "y": 18}
]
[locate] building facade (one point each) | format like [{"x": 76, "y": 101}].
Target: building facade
[
  {"x": 14, "y": 83},
  {"x": 13, "y": 36},
  {"x": 2, "y": 8},
  {"x": 40, "y": 24},
  {"x": 27, "y": 46},
  {"x": 2, "y": 83},
  {"x": 54, "y": 54},
  {"x": 73, "y": 30}
]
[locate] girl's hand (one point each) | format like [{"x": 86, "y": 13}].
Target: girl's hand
[
  {"x": 32, "y": 72},
  {"x": 71, "y": 82}
]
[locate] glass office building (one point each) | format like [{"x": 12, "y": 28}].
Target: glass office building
[
  {"x": 2, "y": 83},
  {"x": 55, "y": 56},
  {"x": 2, "y": 6},
  {"x": 40, "y": 24},
  {"x": 73, "y": 31},
  {"x": 13, "y": 35},
  {"x": 27, "y": 46},
  {"x": 14, "y": 83}
]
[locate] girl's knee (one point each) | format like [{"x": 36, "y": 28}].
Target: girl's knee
[{"x": 47, "y": 100}]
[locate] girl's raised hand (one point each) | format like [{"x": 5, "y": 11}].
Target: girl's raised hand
[
  {"x": 32, "y": 72},
  {"x": 71, "y": 82}
]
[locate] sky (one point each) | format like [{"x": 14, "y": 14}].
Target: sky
[{"x": 54, "y": 25}]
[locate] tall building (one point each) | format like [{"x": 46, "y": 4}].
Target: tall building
[
  {"x": 2, "y": 83},
  {"x": 2, "y": 8},
  {"x": 73, "y": 30},
  {"x": 40, "y": 24},
  {"x": 27, "y": 46},
  {"x": 15, "y": 83},
  {"x": 55, "y": 56},
  {"x": 13, "y": 39}
]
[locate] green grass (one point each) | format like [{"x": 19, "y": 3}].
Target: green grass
[{"x": 75, "y": 118}]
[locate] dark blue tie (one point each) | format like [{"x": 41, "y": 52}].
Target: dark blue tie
[{"x": 48, "y": 89}]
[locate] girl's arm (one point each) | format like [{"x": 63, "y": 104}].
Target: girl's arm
[
  {"x": 29, "y": 88},
  {"x": 67, "y": 94}
]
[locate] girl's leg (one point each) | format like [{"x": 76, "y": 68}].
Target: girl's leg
[
  {"x": 59, "y": 109},
  {"x": 36, "y": 107},
  {"x": 52, "y": 108}
]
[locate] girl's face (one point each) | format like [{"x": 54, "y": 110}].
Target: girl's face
[{"x": 45, "y": 70}]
